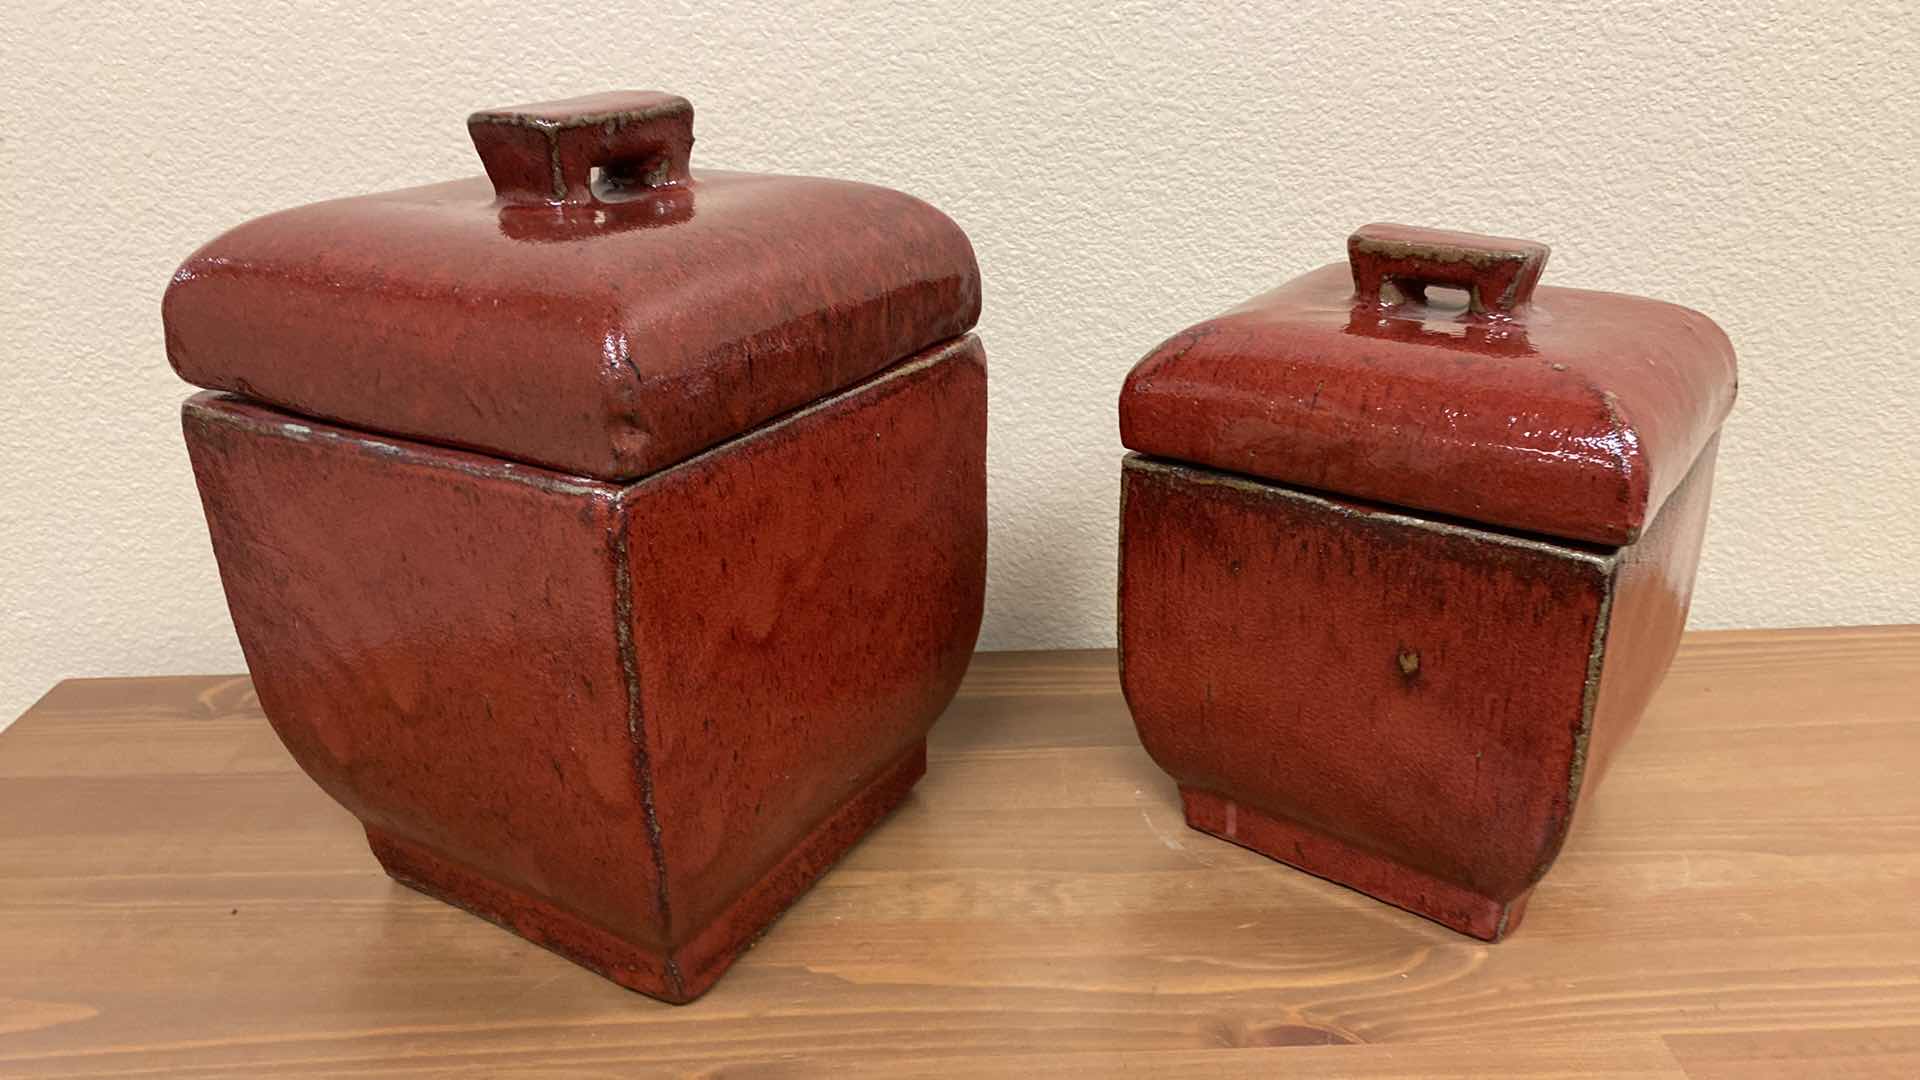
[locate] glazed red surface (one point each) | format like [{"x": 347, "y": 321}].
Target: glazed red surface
[
  {"x": 1407, "y": 707},
  {"x": 1652, "y": 592},
  {"x": 803, "y": 605},
  {"x": 609, "y": 334},
  {"x": 1576, "y": 417},
  {"x": 630, "y": 722}
]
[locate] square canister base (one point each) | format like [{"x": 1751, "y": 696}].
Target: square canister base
[
  {"x": 677, "y": 974},
  {"x": 1337, "y": 861}
]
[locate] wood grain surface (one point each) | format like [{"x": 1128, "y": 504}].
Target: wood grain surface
[{"x": 1741, "y": 898}]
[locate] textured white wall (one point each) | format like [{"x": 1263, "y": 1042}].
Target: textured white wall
[{"x": 1124, "y": 169}]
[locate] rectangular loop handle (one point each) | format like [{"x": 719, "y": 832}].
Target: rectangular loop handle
[
  {"x": 1497, "y": 272},
  {"x": 546, "y": 153}
]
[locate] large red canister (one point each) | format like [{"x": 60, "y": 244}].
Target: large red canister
[
  {"x": 604, "y": 534},
  {"x": 1406, "y": 545}
]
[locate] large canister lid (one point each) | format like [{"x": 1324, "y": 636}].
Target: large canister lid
[{"x": 594, "y": 305}]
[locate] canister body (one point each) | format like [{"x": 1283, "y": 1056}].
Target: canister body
[
  {"x": 630, "y": 722},
  {"x": 1405, "y": 704}
]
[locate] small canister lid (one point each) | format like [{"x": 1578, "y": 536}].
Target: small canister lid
[
  {"x": 1548, "y": 410},
  {"x": 593, "y": 306}
]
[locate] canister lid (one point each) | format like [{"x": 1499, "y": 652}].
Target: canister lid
[
  {"x": 1548, "y": 410},
  {"x": 594, "y": 305}
]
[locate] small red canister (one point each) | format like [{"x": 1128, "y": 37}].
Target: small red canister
[
  {"x": 605, "y": 535},
  {"x": 1397, "y": 575}
]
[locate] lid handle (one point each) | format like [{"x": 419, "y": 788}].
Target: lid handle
[
  {"x": 546, "y": 152},
  {"x": 1498, "y": 273}
]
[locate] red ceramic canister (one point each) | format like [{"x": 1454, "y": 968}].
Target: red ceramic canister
[
  {"x": 605, "y": 535},
  {"x": 1398, "y": 575}
]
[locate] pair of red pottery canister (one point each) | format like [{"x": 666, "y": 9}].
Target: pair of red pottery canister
[{"x": 607, "y": 536}]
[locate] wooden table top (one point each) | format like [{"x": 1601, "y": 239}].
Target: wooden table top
[{"x": 1740, "y": 898}]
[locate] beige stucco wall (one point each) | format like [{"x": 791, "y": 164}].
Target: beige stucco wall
[{"x": 1124, "y": 169}]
